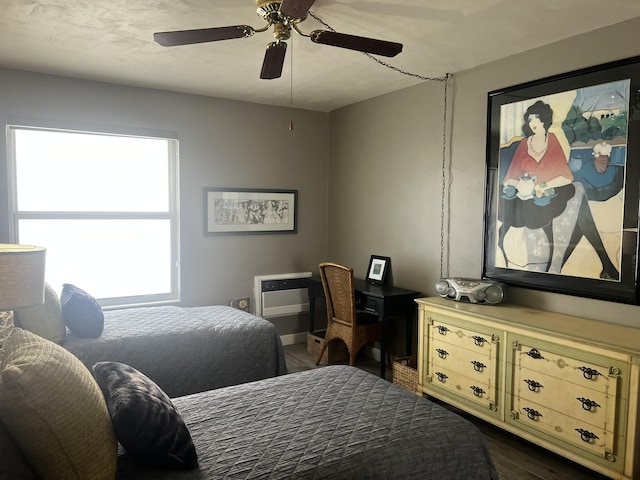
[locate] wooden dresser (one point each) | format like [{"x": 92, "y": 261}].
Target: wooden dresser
[{"x": 568, "y": 384}]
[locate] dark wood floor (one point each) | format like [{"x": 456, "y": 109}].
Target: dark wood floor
[{"x": 515, "y": 459}]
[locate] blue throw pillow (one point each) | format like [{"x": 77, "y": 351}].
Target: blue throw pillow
[
  {"x": 81, "y": 312},
  {"x": 146, "y": 422}
]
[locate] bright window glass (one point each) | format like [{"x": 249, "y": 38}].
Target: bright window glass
[{"x": 104, "y": 206}]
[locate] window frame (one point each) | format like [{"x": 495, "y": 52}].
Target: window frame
[{"x": 172, "y": 215}]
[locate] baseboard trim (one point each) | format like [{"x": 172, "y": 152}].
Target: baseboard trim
[{"x": 293, "y": 338}]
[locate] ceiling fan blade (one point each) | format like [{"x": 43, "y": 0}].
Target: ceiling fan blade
[
  {"x": 296, "y": 8},
  {"x": 352, "y": 42},
  {"x": 202, "y": 35},
  {"x": 273, "y": 61}
]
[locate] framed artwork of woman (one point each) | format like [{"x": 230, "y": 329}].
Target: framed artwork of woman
[{"x": 562, "y": 183}]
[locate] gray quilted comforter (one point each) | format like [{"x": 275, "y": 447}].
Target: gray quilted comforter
[
  {"x": 187, "y": 349},
  {"x": 335, "y": 422}
]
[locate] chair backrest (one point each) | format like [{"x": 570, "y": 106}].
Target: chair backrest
[{"x": 337, "y": 281}]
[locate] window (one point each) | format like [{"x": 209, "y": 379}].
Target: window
[{"x": 105, "y": 207}]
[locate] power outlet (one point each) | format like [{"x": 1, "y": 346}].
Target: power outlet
[{"x": 241, "y": 303}]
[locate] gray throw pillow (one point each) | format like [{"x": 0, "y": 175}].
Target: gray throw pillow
[{"x": 146, "y": 422}]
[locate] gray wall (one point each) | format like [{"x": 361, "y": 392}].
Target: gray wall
[
  {"x": 385, "y": 183},
  {"x": 385, "y": 176},
  {"x": 223, "y": 143}
]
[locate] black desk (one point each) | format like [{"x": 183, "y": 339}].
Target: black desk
[{"x": 379, "y": 300}]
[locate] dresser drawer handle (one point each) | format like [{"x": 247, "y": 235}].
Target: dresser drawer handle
[
  {"x": 589, "y": 373},
  {"x": 478, "y": 366},
  {"x": 532, "y": 414},
  {"x": 442, "y": 353},
  {"x": 442, "y": 330},
  {"x": 441, "y": 377},
  {"x": 586, "y": 435},
  {"x": 477, "y": 391},
  {"x": 533, "y": 385},
  {"x": 535, "y": 353},
  {"x": 478, "y": 340},
  {"x": 587, "y": 404}
]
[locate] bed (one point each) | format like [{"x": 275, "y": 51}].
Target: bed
[
  {"x": 334, "y": 422},
  {"x": 186, "y": 349}
]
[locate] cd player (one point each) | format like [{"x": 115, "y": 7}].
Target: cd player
[{"x": 471, "y": 290}]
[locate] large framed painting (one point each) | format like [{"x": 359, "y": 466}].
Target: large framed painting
[
  {"x": 563, "y": 169},
  {"x": 237, "y": 211}
]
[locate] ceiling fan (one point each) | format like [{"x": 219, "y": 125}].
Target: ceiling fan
[{"x": 283, "y": 16}]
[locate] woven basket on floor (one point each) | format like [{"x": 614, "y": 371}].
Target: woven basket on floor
[{"x": 405, "y": 373}]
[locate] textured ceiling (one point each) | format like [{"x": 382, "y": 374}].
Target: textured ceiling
[{"x": 112, "y": 41}]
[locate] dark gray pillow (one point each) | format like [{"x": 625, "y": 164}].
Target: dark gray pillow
[
  {"x": 145, "y": 420},
  {"x": 81, "y": 312}
]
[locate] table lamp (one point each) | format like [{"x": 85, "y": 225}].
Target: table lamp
[{"x": 21, "y": 276}]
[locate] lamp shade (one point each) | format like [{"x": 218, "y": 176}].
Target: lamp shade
[{"x": 21, "y": 276}]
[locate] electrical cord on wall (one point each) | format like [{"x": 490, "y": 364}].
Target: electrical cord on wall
[
  {"x": 291, "y": 89},
  {"x": 446, "y": 190}
]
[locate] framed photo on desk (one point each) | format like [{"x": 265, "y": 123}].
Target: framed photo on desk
[{"x": 378, "y": 268}]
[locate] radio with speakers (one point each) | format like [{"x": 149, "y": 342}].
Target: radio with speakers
[{"x": 471, "y": 290}]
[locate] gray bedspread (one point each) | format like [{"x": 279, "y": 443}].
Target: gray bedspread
[
  {"x": 187, "y": 349},
  {"x": 335, "y": 422}
]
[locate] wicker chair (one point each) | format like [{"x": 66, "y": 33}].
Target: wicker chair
[{"x": 343, "y": 322}]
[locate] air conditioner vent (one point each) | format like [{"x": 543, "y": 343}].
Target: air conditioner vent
[{"x": 281, "y": 294}]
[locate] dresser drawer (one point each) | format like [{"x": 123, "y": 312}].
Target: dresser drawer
[
  {"x": 595, "y": 376},
  {"x": 476, "y": 390},
  {"x": 474, "y": 364},
  {"x": 579, "y": 402},
  {"x": 567, "y": 429},
  {"x": 445, "y": 332}
]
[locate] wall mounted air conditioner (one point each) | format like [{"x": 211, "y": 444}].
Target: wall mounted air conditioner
[{"x": 281, "y": 294}]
